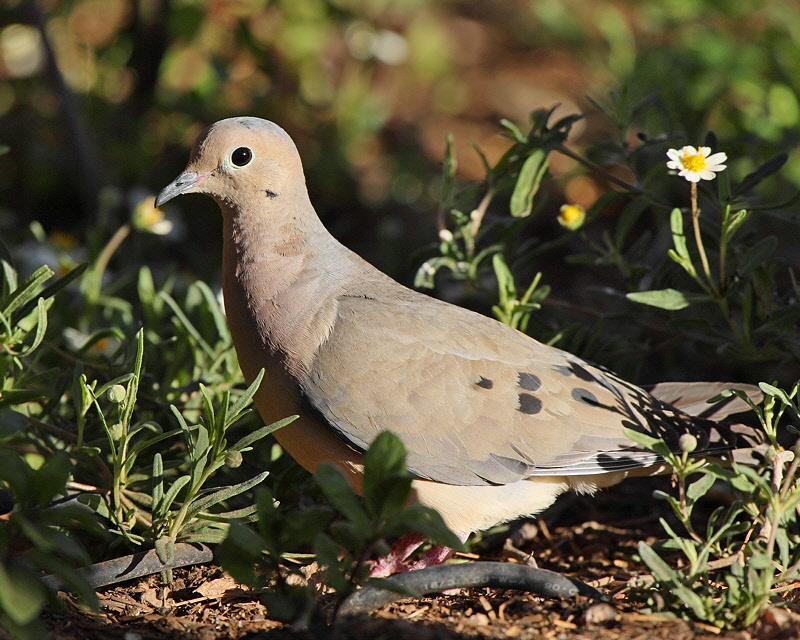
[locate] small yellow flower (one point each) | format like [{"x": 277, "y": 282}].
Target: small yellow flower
[
  {"x": 572, "y": 216},
  {"x": 147, "y": 218},
  {"x": 696, "y": 164}
]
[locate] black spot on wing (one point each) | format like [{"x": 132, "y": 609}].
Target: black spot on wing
[
  {"x": 528, "y": 381},
  {"x": 562, "y": 369},
  {"x": 585, "y": 396},
  {"x": 484, "y": 383},
  {"x": 529, "y": 404},
  {"x": 270, "y": 193}
]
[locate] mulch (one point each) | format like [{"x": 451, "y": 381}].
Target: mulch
[{"x": 203, "y": 603}]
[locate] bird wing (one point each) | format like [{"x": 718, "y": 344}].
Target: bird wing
[{"x": 477, "y": 402}]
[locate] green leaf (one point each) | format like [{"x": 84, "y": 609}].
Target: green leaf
[
  {"x": 672, "y": 580},
  {"x": 776, "y": 392},
  {"x": 51, "y": 479},
  {"x": 225, "y": 493},
  {"x": 678, "y": 236},
  {"x": 386, "y": 480},
  {"x": 770, "y": 167},
  {"x": 26, "y": 291},
  {"x": 171, "y": 495},
  {"x": 11, "y": 423},
  {"x": 327, "y": 552},
  {"x": 732, "y": 223},
  {"x": 22, "y": 594},
  {"x": 240, "y": 554},
  {"x": 347, "y": 534},
  {"x": 41, "y": 327},
  {"x": 244, "y": 400},
  {"x": 50, "y": 290},
  {"x": 184, "y": 321},
  {"x": 424, "y": 520},
  {"x": 668, "y": 299},
  {"x": 627, "y": 218},
  {"x": 264, "y": 431},
  {"x": 757, "y": 255},
  {"x": 158, "y": 482},
  {"x": 165, "y": 549},
  {"x": 449, "y": 166},
  {"x": 337, "y": 489},
  {"x": 530, "y": 177},
  {"x": 514, "y": 130},
  {"x": 700, "y": 487},
  {"x": 760, "y": 561},
  {"x": 212, "y": 304},
  {"x": 305, "y": 523},
  {"x": 648, "y": 442},
  {"x": 199, "y": 452},
  {"x": 126, "y": 410}
]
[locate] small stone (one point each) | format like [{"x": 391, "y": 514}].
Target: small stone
[
  {"x": 600, "y": 613},
  {"x": 478, "y": 620}
]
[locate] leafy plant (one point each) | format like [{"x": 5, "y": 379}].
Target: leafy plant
[
  {"x": 82, "y": 441},
  {"x": 344, "y": 535},
  {"x": 748, "y": 553}
]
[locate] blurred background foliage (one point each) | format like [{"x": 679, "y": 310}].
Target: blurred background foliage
[{"x": 101, "y": 100}]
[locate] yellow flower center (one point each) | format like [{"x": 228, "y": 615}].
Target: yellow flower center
[
  {"x": 694, "y": 161},
  {"x": 571, "y": 216},
  {"x": 151, "y": 217}
]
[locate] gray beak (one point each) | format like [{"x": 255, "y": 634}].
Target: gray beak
[{"x": 179, "y": 185}]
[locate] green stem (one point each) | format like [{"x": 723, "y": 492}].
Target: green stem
[
  {"x": 723, "y": 250},
  {"x": 103, "y": 259},
  {"x": 699, "y": 241}
]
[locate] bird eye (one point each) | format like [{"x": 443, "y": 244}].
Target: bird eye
[{"x": 241, "y": 156}]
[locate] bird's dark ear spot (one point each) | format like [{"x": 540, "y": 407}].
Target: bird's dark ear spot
[{"x": 270, "y": 193}]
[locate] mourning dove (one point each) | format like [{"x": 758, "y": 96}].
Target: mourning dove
[{"x": 496, "y": 424}]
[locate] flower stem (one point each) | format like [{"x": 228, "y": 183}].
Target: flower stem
[{"x": 699, "y": 241}]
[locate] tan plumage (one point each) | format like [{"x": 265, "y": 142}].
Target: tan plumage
[{"x": 496, "y": 424}]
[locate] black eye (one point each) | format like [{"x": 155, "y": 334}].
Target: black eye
[{"x": 241, "y": 156}]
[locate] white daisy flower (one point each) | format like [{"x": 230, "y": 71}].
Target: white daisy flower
[{"x": 696, "y": 164}]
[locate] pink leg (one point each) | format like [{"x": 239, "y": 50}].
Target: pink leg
[
  {"x": 393, "y": 561},
  {"x": 436, "y": 556}
]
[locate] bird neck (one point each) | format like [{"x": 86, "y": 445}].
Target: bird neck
[{"x": 282, "y": 271}]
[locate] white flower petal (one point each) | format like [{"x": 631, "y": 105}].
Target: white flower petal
[
  {"x": 717, "y": 158},
  {"x": 674, "y": 154},
  {"x": 704, "y": 151}
]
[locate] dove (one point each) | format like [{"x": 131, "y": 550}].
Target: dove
[{"x": 496, "y": 424}]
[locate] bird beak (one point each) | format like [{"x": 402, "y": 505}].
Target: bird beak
[{"x": 179, "y": 185}]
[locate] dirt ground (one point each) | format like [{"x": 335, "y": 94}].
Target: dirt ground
[{"x": 593, "y": 539}]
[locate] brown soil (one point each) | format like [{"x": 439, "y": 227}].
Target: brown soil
[{"x": 205, "y": 604}]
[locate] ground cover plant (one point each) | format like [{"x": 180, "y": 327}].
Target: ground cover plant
[{"x": 125, "y": 425}]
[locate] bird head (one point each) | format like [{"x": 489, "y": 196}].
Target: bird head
[{"x": 237, "y": 160}]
